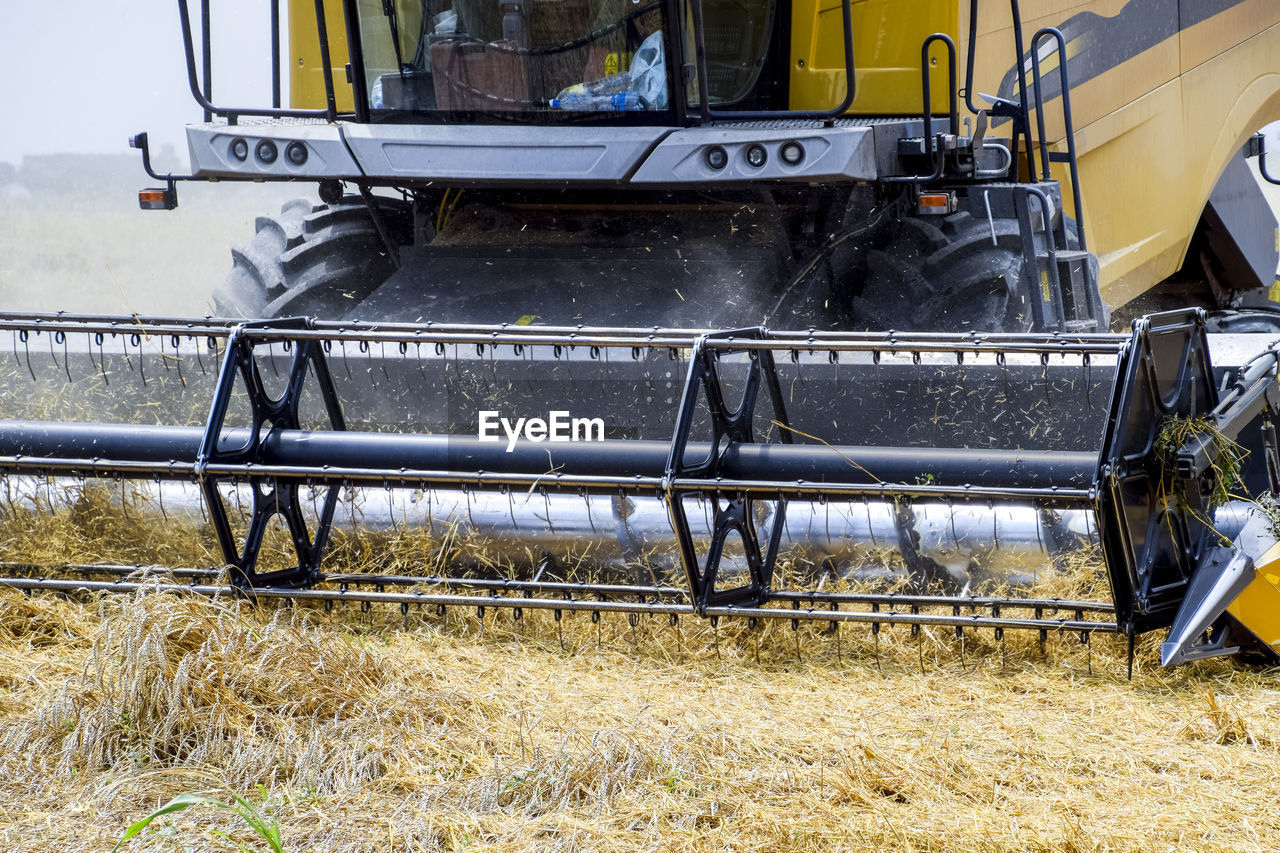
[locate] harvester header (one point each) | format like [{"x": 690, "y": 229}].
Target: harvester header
[{"x": 879, "y": 478}]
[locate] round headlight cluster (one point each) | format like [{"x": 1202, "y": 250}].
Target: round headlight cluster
[
  {"x": 755, "y": 155},
  {"x": 267, "y": 152}
]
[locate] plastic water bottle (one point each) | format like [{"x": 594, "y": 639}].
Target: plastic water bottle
[
  {"x": 643, "y": 86},
  {"x": 584, "y": 101},
  {"x": 603, "y": 87}
]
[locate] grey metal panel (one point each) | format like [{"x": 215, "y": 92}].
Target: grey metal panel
[
  {"x": 512, "y": 155},
  {"x": 1243, "y": 232},
  {"x": 830, "y": 153},
  {"x": 887, "y": 136},
  {"x": 1231, "y": 351},
  {"x": 327, "y": 155}
]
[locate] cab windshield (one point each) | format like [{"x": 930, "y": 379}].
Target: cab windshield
[{"x": 550, "y": 57}]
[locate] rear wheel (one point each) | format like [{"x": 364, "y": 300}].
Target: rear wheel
[
  {"x": 317, "y": 260},
  {"x": 961, "y": 274}
]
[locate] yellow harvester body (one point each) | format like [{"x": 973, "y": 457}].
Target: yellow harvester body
[{"x": 1171, "y": 89}]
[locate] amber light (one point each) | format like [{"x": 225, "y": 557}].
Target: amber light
[
  {"x": 935, "y": 203},
  {"x": 154, "y": 198}
]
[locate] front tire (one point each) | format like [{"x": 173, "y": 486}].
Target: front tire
[
  {"x": 961, "y": 274},
  {"x": 317, "y": 260}
]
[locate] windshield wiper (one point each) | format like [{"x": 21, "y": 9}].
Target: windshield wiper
[{"x": 389, "y": 9}]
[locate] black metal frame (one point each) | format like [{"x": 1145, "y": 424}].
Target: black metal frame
[
  {"x": 1154, "y": 515},
  {"x": 735, "y": 513},
  {"x": 271, "y": 498}
]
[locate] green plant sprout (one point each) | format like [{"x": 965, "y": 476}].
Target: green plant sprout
[{"x": 262, "y": 824}]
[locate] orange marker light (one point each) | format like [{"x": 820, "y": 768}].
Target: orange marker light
[
  {"x": 935, "y": 203},
  {"x": 157, "y": 199}
]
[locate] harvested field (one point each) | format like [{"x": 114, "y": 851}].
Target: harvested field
[
  {"x": 453, "y": 735},
  {"x": 377, "y": 731}
]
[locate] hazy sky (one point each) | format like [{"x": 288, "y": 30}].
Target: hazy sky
[{"x": 84, "y": 75}]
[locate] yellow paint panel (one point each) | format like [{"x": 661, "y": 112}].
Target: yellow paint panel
[
  {"x": 1225, "y": 30},
  {"x": 888, "y": 35},
  {"x": 1258, "y": 607},
  {"x": 1226, "y": 100},
  {"x": 1136, "y": 205},
  {"x": 1142, "y": 207},
  {"x": 1091, "y": 99},
  {"x": 303, "y": 64}
]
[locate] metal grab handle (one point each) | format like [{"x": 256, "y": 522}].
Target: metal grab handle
[
  {"x": 1262, "y": 161},
  {"x": 1068, "y": 121},
  {"x": 938, "y": 157},
  {"x": 1002, "y": 170}
]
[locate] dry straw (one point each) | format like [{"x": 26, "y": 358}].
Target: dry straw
[{"x": 369, "y": 731}]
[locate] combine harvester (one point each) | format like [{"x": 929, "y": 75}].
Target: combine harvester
[{"x": 565, "y": 171}]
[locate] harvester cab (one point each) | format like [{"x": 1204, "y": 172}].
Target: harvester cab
[
  {"x": 581, "y": 162},
  {"x": 874, "y": 382}
]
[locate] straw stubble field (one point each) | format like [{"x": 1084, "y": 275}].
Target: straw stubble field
[
  {"x": 382, "y": 731},
  {"x": 514, "y": 736}
]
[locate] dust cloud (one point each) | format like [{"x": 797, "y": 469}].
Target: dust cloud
[{"x": 72, "y": 237}]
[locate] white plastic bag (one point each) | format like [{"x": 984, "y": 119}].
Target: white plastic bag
[{"x": 648, "y": 73}]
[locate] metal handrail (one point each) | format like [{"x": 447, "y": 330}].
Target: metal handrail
[
  {"x": 1017, "y": 112},
  {"x": 202, "y": 90},
  {"x": 1262, "y": 161},
  {"x": 938, "y": 157},
  {"x": 584, "y": 337},
  {"x": 201, "y": 84},
  {"x": 1068, "y": 121}
]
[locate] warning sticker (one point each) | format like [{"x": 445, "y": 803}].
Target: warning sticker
[
  {"x": 1044, "y": 286},
  {"x": 615, "y": 63},
  {"x": 1273, "y": 292}
]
